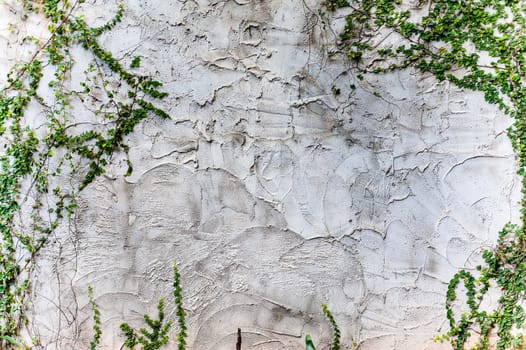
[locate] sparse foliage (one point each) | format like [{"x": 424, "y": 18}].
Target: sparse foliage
[
  {"x": 152, "y": 339},
  {"x": 96, "y": 320}
]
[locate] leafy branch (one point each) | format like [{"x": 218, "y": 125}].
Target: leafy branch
[{"x": 158, "y": 334}]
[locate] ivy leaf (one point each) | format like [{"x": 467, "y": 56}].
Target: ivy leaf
[{"x": 308, "y": 342}]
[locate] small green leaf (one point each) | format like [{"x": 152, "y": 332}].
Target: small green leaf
[
  {"x": 136, "y": 62},
  {"x": 308, "y": 342},
  {"x": 10, "y": 340}
]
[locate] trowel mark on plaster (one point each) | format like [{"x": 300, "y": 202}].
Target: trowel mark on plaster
[
  {"x": 269, "y": 277},
  {"x": 243, "y": 251}
]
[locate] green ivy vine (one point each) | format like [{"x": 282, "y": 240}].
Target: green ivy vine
[
  {"x": 478, "y": 45},
  {"x": 39, "y": 151},
  {"x": 158, "y": 336}
]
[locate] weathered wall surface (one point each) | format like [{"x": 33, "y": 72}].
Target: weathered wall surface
[{"x": 272, "y": 194}]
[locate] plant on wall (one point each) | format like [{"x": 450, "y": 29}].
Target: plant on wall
[
  {"x": 157, "y": 335},
  {"x": 478, "y": 45},
  {"x": 43, "y": 148},
  {"x": 309, "y": 344}
]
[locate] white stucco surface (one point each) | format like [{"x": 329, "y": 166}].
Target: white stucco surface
[{"x": 272, "y": 194}]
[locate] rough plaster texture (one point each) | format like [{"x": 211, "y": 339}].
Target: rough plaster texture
[{"x": 273, "y": 195}]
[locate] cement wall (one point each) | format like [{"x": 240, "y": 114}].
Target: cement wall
[{"x": 272, "y": 194}]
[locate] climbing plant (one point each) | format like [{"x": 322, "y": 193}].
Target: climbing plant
[
  {"x": 309, "y": 344},
  {"x": 157, "y": 336},
  {"x": 42, "y": 143},
  {"x": 478, "y": 45}
]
